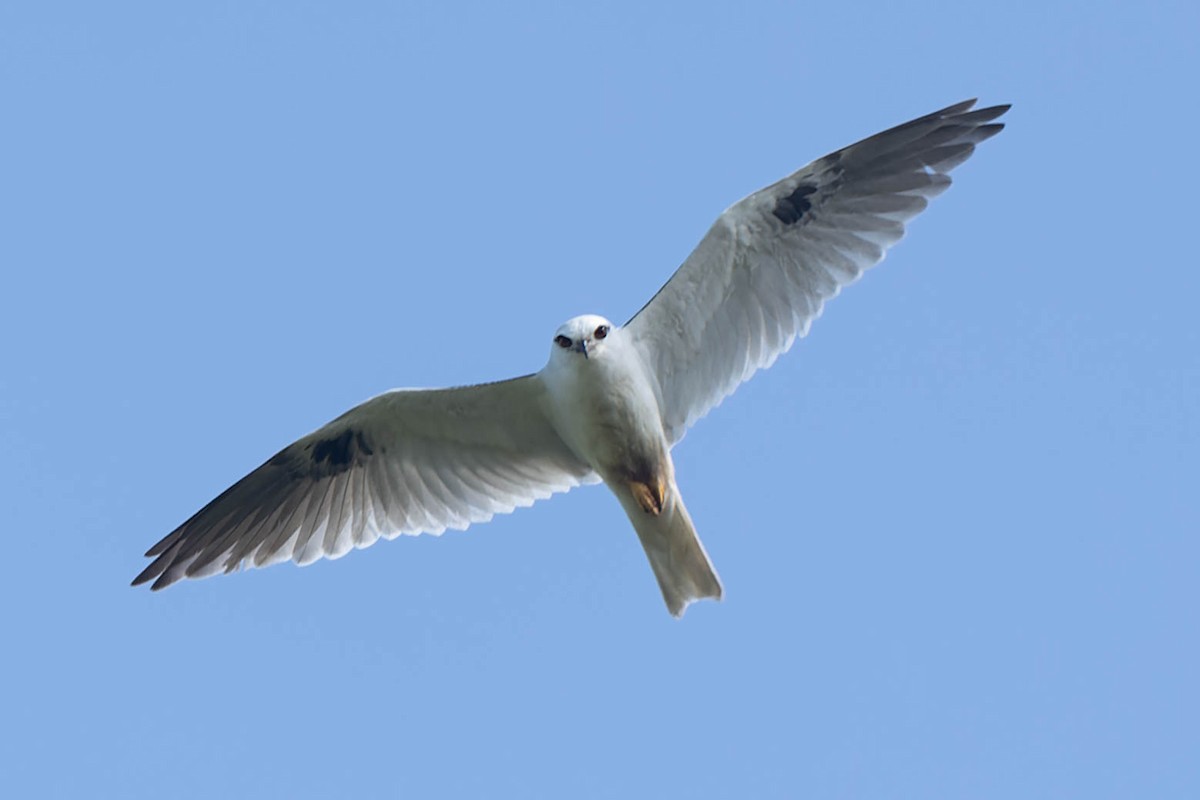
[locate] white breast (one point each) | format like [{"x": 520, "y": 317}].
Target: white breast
[{"x": 605, "y": 406}]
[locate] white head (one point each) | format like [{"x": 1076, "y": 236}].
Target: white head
[{"x": 583, "y": 337}]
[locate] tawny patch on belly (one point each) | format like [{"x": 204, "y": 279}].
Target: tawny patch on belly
[{"x": 650, "y": 495}]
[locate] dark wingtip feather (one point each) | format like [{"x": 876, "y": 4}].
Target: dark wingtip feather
[
  {"x": 979, "y": 116},
  {"x": 957, "y": 108},
  {"x": 985, "y": 132},
  {"x": 159, "y": 569},
  {"x": 164, "y": 580},
  {"x": 147, "y": 574},
  {"x": 164, "y": 543}
]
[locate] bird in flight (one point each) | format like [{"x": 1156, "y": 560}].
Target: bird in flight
[{"x": 612, "y": 400}]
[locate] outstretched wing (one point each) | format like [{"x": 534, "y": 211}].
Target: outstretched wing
[
  {"x": 763, "y": 271},
  {"x": 412, "y": 461}
]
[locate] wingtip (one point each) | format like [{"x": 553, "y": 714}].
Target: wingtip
[
  {"x": 164, "y": 580},
  {"x": 957, "y": 108},
  {"x": 985, "y": 132},
  {"x": 153, "y": 572},
  {"x": 967, "y": 107},
  {"x": 142, "y": 577}
]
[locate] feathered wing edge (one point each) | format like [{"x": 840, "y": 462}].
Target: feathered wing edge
[{"x": 409, "y": 461}]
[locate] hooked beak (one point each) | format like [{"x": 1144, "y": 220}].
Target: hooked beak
[{"x": 582, "y": 347}]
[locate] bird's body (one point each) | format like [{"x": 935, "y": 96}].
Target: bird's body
[
  {"x": 611, "y": 402},
  {"x": 605, "y": 407}
]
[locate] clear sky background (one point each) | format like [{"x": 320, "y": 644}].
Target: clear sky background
[{"x": 957, "y": 524}]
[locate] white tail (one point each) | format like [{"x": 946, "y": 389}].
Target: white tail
[{"x": 678, "y": 559}]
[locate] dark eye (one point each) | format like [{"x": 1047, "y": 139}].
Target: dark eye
[
  {"x": 601, "y": 332},
  {"x": 562, "y": 341}
]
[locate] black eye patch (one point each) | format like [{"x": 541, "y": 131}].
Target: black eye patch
[{"x": 562, "y": 341}]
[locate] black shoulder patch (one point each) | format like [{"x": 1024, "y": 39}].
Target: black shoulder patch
[
  {"x": 337, "y": 453},
  {"x": 792, "y": 208}
]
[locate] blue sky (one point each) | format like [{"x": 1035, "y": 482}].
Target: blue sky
[{"x": 957, "y": 524}]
